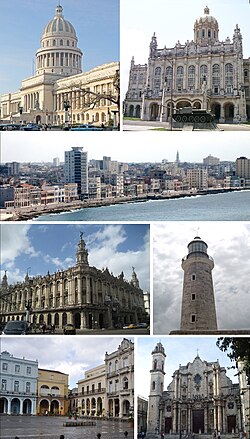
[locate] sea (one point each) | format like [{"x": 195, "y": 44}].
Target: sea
[{"x": 232, "y": 206}]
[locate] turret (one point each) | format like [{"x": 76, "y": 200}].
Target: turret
[
  {"x": 134, "y": 280},
  {"x": 82, "y": 252},
  {"x": 153, "y": 46}
]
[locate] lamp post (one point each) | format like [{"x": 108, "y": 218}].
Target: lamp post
[
  {"x": 21, "y": 113},
  {"x": 171, "y": 93},
  {"x": 66, "y": 106}
]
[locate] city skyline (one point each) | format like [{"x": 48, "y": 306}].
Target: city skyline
[
  {"x": 38, "y": 248},
  {"x": 179, "y": 351},
  {"x": 44, "y": 146},
  {"x": 70, "y": 355},
  {"x": 227, "y": 245},
  {"x": 137, "y": 29},
  {"x": 99, "y": 47}
]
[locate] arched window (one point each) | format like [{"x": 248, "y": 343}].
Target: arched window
[
  {"x": 157, "y": 81},
  {"x": 216, "y": 78},
  {"x": 191, "y": 77},
  {"x": 203, "y": 73},
  {"x": 158, "y": 71},
  {"x": 229, "y": 78},
  {"x": 179, "y": 78},
  {"x": 61, "y": 42},
  {"x": 54, "y": 42},
  {"x": 169, "y": 77}
]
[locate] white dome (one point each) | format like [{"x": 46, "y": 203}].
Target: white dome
[
  {"x": 58, "y": 25},
  {"x": 206, "y": 17}
]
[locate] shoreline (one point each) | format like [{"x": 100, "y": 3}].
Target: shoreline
[{"x": 35, "y": 212}]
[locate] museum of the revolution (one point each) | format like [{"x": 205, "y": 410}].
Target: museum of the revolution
[{"x": 202, "y": 73}]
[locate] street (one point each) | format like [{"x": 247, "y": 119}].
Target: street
[
  {"x": 36, "y": 427},
  {"x": 143, "y": 125}
]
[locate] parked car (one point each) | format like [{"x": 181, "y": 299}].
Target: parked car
[
  {"x": 32, "y": 127},
  {"x": 69, "y": 329},
  {"x": 142, "y": 325},
  {"x": 16, "y": 327},
  {"x": 86, "y": 127},
  {"x": 131, "y": 326}
]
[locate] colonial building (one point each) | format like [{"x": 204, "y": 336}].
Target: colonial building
[
  {"x": 200, "y": 399},
  {"x": 108, "y": 390},
  {"x": 18, "y": 393},
  {"x": 59, "y": 82},
  {"x": 88, "y": 297},
  {"x": 52, "y": 392},
  {"x": 202, "y": 73}
]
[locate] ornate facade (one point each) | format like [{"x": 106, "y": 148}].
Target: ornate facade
[
  {"x": 52, "y": 392},
  {"x": 59, "y": 79},
  {"x": 88, "y": 297},
  {"x": 203, "y": 73},
  {"x": 200, "y": 399}
]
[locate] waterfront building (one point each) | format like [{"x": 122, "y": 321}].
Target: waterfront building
[
  {"x": 52, "y": 392},
  {"x": 108, "y": 389},
  {"x": 243, "y": 167},
  {"x": 204, "y": 72},
  {"x": 198, "y": 304},
  {"x": 59, "y": 83},
  {"x": 197, "y": 178},
  {"x": 76, "y": 170},
  {"x": 201, "y": 399},
  {"x": 18, "y": 393},
  {"x": 84, "y": 295}
]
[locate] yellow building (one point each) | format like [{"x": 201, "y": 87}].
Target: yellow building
[{"x": 52, "y": 392}]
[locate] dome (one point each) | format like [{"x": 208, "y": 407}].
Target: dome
[
  {"x": 58, "y": 25},
  {"x": 206, "y": 17}
]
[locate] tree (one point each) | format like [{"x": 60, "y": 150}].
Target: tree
[{"x": 236, "y": 348}]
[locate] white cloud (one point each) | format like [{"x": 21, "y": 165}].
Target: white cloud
[
  {"x": 59, "y": 263},
  {"x": 229, "y": 245},
  {"x": 14, "y": 242}
]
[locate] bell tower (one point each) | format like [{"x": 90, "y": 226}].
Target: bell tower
[
  {"x": 81, "y": 253},
  {"x": 198, "y": 304},
  {"x": 156, "y": 389}
]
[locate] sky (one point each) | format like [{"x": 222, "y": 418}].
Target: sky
[
  {"x": 173, "y": 21},
  {"x": 228, "y": 244},
  {"x": 22, "y": 23},
  {"x": 149, "y": 146},
  {"x": 38, "y": 248},
  {"x": 179, "y": 351},
  {"x": 71, "y": 355}
]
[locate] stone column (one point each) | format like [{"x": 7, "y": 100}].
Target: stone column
[
  {"x": 8, "y": 406},
  {"x": 83, "y": 320},
  {"x": 205, "y": 419},
  {"x": 21, "y": 406},
  {"x": 215, "y": 417}
]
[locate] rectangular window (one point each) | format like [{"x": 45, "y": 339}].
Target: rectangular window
[
  {"x": 193, "y": 277},
  {"x": 28, "y": 370},
  {"x": 5, "y": 366},
  {"x": 27, "y": 387},
  {"x": 4, "y": 385},
  {"x": 193, "y": 318},
  {"x": 16, "y": 386},
  {"x": 193, "y": 296},
  {"x": 17, "y": 368},
  {"x": 93, "y": 387}
]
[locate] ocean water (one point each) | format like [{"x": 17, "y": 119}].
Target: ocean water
[{"x": 233, "y": 206}]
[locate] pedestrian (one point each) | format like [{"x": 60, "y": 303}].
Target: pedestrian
[
  {"x": 218, "y": 436},
  {"x": 125, "y": 433},
  {"x": 98, "y": 435}
]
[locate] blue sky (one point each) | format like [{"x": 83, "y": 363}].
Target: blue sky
[
  {"x": 173, "y": 21},
  {"x": 39, "y": 248},
  {"x": 22, "y": 23},
  {"x": 71, "y": 355},
  {"x": 179, "y": 350}
]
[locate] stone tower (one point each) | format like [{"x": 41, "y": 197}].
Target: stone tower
[
  {"x": 198, "y": 306},
  {"x": 81, "y": 253},
  {"x": 156, "y": 389}
]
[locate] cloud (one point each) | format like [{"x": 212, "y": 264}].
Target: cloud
[
  {"x": 15, "y": 241},
  {"x": 229, "y": 245},
  {"x": 59, "y": 263}
]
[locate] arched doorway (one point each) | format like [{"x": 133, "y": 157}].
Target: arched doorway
[
  {"x": 93, "y": 406},
  {"x": 41, "y": 319},
  {"x": 90, "y": 321},
  {"x": 197, "y": 105},
  {"x": 3, "y": 405},
  {"x": 101, "y": 321},
  {"x": 117, "y": 408},
  {"x": 111, "y": 408},
  {"x": 183, "y": 104},
  {"x": 15, "y": 406},
  {"x": 229, "y": 113},
  {"x": 38, "y": 119},
  {"x": 131, "y": 111},
  {"x": 64, "y": 319},
  {"x": 77, "y": 320},
  {"x": 49, "y": 319},
  {"x": 54, "y": 408},
  {"x": 215, "y": 108},
  {"x": 154, "y": 111},
  {"x": 27, "y": 407},
  {"x": 87, "y": 406},
  {"x": 56, "y": 319},
  {"x": 99, "y": 406},
  {"x": 44, "y": 406},
  {"x": 125, "y": 408},
  {"x": 138, "y": 111}
]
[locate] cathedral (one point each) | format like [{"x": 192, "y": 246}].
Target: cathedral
[
  {"x": 201, "y": 399},
  {"x": 59, "y": 81},
  {"x": 82, "y": 295},
  {"x": 203, "y": 73}
]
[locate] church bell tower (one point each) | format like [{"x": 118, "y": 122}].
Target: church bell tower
[
  {"x": 156, "y": 390},
  {"x": 81, "y": 253}
]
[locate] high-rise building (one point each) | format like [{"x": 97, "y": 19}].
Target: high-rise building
[
  {"x": 243, "y": 167},
  {"x": 56, "y": 161},
  {"x": 198, "y": 305},
  {"x": 76, "y": 170},
  {"x": 197, "y": 178}
]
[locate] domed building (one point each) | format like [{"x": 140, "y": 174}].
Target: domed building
[
  {"x": 204, "y": 73},
  {"x": 59, "y": 79}
]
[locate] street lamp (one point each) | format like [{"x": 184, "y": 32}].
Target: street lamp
[
  {"x": 21, "y": 112},
  {"x": 171, "y": 93},
  {"x": 66, "y": 106}
]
